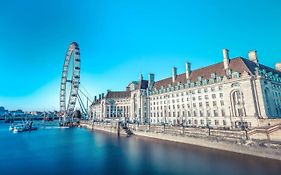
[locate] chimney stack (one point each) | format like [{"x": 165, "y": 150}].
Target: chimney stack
[
  {"x": 225, "y": 59},
  {"x": 187, "y": 70},
  {"x": 174, "y": 74},
  {"x": 140, "y": 78},
  {"x": 150, "y": 79},
  {"x": 95, "y": 98},
  {"x": 102, "y": 95},
  {"x": 278, "y": 66},
  {"x": 253, "y": 56},
  {"x": 99, "y": 96}
]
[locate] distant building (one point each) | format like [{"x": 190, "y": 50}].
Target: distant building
[
  {"x": 16, "y": 113},
  {"x": 3, "y": 111},
  {"x": 231, "y": 93}
]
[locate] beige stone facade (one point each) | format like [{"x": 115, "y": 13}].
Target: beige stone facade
[{"x": 234, "y": 93}]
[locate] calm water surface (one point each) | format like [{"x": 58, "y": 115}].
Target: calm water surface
[{"x": 79, "y": 151}]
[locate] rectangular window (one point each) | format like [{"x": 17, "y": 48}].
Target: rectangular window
[
  {"x": 213, "y": 96},
  {"x": 214, "y": 103},
  {"x": 216, "y": 122},
  {"x": 208, "y": 113},
  {"x": 222, "y": 112},
  {"x": 194, "y": 113},
  {"x": 222, "y": 103},
  {"x": 216, "y": 113}
]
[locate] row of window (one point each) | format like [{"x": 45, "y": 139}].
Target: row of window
[
  {"x": 189, "y": 84},
  {"x": 183, "y": 106},
  {"x": 185, "y": 93},
  {"x": 189, "y": 122},
  {"x": 194, "y": 113},
  {"x": 206, "y": 97}
]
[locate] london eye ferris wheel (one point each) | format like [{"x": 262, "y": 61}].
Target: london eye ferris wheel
[{"x": 70, "y": 75}]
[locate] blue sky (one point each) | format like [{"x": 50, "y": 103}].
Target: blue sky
[{"x": 121, "y": 39}]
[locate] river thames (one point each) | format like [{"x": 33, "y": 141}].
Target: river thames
[{"x": 79, "y": 151}]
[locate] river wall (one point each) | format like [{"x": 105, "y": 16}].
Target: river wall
[{"x": 227, "y": 140}]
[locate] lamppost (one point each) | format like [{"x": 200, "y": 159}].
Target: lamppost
[
  {"x": 244, "y": 127},
  {"x": 207, "y": 120},
  {"x": 230, "y": 117},
  {"x": 182, "y": 123},
  {"x": 165, "y": 110}
]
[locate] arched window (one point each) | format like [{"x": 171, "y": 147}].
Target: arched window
[{"x": 237, "y": 101}]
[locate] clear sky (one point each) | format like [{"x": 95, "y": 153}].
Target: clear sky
[{"x": 119, "y": 39}]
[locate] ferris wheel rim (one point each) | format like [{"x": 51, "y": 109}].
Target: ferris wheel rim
[{"x": 67, "y": 105}]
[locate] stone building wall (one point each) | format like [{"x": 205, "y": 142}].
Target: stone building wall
[{"x": 235, "y": 93}]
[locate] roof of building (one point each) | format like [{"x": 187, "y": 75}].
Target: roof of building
[
  {"x": 98, "y": 101},
  {"x": 238, "y": 64},
  {"x": 114, "y": 94},
  {"x": 118, "y": 94},
  {"x": 251, "y": 66}
]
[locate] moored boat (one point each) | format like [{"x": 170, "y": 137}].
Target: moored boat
[{"x": 25, "y": 126}]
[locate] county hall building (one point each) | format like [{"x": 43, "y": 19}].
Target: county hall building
[{"x": 231, "y": 93}]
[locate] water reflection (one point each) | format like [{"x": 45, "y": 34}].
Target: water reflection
[{"x": 79, "y": 151}]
